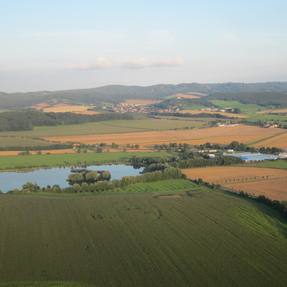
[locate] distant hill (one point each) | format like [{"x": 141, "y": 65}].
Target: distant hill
[{"x": 117, "y": 93}]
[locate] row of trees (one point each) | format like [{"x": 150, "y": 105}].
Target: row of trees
[
  {"x": 37, "y": 147},
  {"x": 184, "y": 148},
  {"x": 151, "y": 164},
  {"x": 201, "y": 162}
]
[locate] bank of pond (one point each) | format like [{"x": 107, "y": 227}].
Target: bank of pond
[{"x": 58, "y": 176}]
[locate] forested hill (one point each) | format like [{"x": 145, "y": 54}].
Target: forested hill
[
  {"x": 117, "y": 93},
  {"x": 258, "y": 98}
]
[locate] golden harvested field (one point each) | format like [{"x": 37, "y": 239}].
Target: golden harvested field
[
  {"x": 64, "y": 108},
  {"x": 222, "y": 135},
  {"x": 196, "y": 112},
  {"x": 279, "y": 141},
  {"x": 257, "y": 181},
  {"x": 141, "y": 102},
  {"x": 54, "y": 151}
]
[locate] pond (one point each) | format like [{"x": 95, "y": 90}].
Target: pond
[
  {"x": 10, "y": 180},
  {"x": 249, "y": 156}
]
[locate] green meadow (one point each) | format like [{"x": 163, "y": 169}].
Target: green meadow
[
  {"x": 244, "y": 108},
  {"x": 280, "y": 163},
  {"x": 107, "y": 127},
  {"x": 51, "y": 160},
  {"x": 175, "y": 234}
]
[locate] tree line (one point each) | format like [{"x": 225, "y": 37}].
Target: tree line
[
  {"x": 240, "y": 147},
  {"x": 151, "y": 164}
]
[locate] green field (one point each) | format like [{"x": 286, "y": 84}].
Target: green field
[
  {"x": 191, "y": 106},
  {"x": 12, "y": 141},
  {"x": 106, "y": 127},
  {"x": 282, "y": 164},
  {"x": 45, "y": 284},
  {"x": 34, "y": 161},
  {"x": 203, "y": 238},
  {"x": 276, "y": 119},
  {"x": 163, "y": 186},
  {"x": 244, "y": 108}
]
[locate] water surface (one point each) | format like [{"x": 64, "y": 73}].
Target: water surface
[
  {"x": 10, "y": 180},
  {"x": 249, "y": 156}
]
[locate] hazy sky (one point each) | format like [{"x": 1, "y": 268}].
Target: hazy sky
[{"x": 59, "y": 44}]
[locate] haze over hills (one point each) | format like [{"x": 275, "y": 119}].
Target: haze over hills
[{"x": 117, "y": 93}]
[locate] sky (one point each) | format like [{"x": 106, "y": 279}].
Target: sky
[{"x": 67, "y": 44}]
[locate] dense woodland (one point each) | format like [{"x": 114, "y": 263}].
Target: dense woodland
[{"x": 259, "y": 98}]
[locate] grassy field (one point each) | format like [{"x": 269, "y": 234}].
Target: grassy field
[
  {"x": 20, "y": 141},
  {"x": 244, "y": 108},
  {"x": 106, "y": 127},
  {"x": 34, "y": 161},
  {"x": 282, "y": 164},
  {"x": 206, "y": 238},
  {"x": 164, "y": 186},
  {"x": 191, "y": 106},
  {"x": 45, "y": 284}
]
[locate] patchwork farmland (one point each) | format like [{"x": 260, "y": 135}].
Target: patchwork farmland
[{"x": 222, "y": 135}]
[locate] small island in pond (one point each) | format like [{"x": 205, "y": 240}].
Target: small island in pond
[{"x": 83, "y": 175}]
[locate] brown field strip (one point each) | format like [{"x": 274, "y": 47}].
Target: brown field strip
[
  {"x": 221, "y": 135},
  {"x": 279, "y": 141},
  {"x": 256, "y": 181}
]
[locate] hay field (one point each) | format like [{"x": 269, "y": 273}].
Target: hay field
[
  {"x": 65, "y": 108},
  {"x": 258, "y": 181},
  {"x": 279, "y": 141},
  {"x": 222, "y": 135},
  {"x": 206, "y": 239}
]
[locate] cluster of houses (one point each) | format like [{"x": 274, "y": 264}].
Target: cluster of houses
[
  {"x": 142, "y": 109},
  {"x": 225, "y": 110}
]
